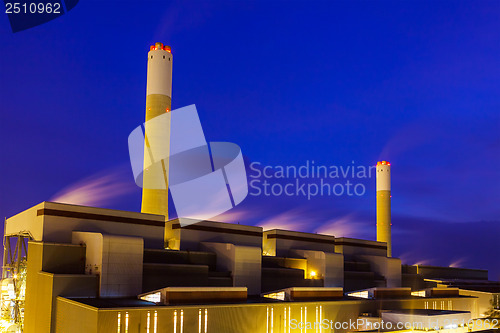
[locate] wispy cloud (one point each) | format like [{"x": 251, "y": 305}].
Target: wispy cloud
[
  {"x": 460, "y": 262},
  {"x": 344, "y": 226},
  {"x": 407, "y": 138},
  {"x": 100, "y": 189},
  {"x": 295, "y": 219}
]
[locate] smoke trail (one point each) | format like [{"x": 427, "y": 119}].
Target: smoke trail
[
  {"x": 98, "y": 190},
  {"x": 459, "y": 262},
  {"x": 294, "y": 220},
  {"x": 233, "y": 216},
  {"x": 407, "y": 138},
  {"x": 344, "y": 226}
]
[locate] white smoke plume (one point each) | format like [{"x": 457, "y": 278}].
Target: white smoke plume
[{"x": 98, "y": 190}]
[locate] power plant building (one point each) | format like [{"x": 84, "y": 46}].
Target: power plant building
[
  {"x": 99, "y": 270},
  {"x": 79, "y": 269}
]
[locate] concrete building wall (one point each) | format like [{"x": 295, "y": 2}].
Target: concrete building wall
[
  {"x": 427, "y": 322},
  {"x": 244, "y": 263},
  {"x": 279, "y": 242},
  {"x": 118, "y": 261},
  {"x": 350, "y": 247},
  {"x": 68, "y": 285},
  {"x": 328, "y": 266},
  {"x": 241, "y": 318},
  {"x": 430, "y": 272},
  {"x": 483, "y": 301},
  {"x": 27, "y": 220},
  {"x": 55, "y": 222},
  {"x": 75, "y": 317},
  {"x": 43, "y": 287},
  {"x": 191, "y": 236},
  {"x": 389, "y": 268}
]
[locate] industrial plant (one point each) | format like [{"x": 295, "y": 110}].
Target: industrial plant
[{"x": 78, "y": 269}]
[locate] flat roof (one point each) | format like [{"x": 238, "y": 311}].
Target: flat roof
[
  {"x": 345, "y": 241},
  {"x": 130, "y": 302},
  {"x": 450, "y": 268},
  {"x": 108, "y": 303},
  {"x": 426, "y": 312},
  {"x": 214, "y": 226},
  {"x": 298, "y": 235}
]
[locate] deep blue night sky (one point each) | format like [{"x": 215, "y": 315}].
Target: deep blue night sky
[{"x": 414, "y": 82}]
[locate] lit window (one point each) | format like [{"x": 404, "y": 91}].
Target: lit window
[
  {"x": 155, "y": 297},
  {"x": 360, "y": 294},
  {"x": 420, "y": 293},
  {"x": 279, "y": 295}
]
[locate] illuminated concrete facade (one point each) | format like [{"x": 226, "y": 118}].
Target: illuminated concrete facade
[
  {"x": 86, "y": 316},
  {"x": 158, "y": 101},
  {"x": 84, "y": 275},
  {"x": 98, "y": 270},
  {"x": 384, "y": 204}
]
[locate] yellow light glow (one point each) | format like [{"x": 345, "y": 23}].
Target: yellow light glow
[
  {"x": 312, "y": 274},
  {"x": 156, "y": 322},
  {"x": 199, "y": 321},
  {"x": 206, "y": 319},
  {"x": 175, "y": 321}
]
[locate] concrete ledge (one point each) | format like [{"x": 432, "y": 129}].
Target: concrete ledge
[{"x": 197, "y": 295}]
